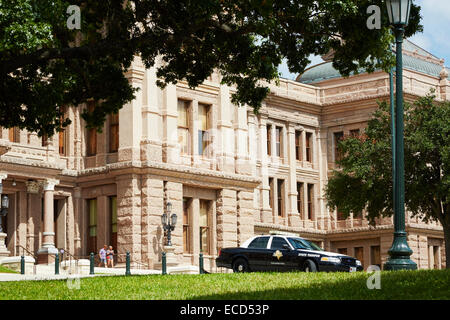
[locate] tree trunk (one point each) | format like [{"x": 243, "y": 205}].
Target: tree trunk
[{"x": 446, "y": 226}]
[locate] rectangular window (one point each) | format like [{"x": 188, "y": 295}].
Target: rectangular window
[
  {"x": 269, "y": 140},
  {"x": 298, "y": 145},
  {"x": 437, "y": 265},
  {"x": 337, "y": 137},
  {"x": 342, "y": 251},
  {"x": 91, "y": 134},
  {"x": 14, "y": 134},
  {"x": 204, "y": 226},
  {"x": 183, "y": 126},
  {"x": 92, "y": 226},
  {"x": 278, "y": 141},
  {"x": 354, "y": 132},
  {"x": 359, "y": 254},
  {"x": 310, "y": 201},
  {"x": 280, "y": 200},
  {"x": 203, "y": 127},
  {"x": 186, "y": 227},
  {"x": 271, "y": 193},
  {"x": 340, "y": 215},
  {"x": 114, "y": 132},
  {"x": 113, "y": 213},
  {"x": 62, "y": 142},
  {"x": 309, "y": 146},
  {"x": 300, "y": 198},
  {"x": 62, "y": 134},
  {"x": 375, "y": 256}
]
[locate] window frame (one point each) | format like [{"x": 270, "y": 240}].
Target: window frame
[{"x": 114, "y": 132}]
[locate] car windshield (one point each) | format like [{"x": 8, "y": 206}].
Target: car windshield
[{"x": 299, "y": 243}]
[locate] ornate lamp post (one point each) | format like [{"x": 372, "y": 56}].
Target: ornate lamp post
[
  {"x": 400, "y": 252},
  {"x": 169, "y": 221}
]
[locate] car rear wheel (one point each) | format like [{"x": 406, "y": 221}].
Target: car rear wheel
[
  {"x": 240, "y": 265},
  {"x": 309, "y": 266}
]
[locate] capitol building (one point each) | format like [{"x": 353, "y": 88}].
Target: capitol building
[{"x": 229, "y": 173}]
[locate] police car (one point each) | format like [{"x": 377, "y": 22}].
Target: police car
[{"x": 284, "y": 253}]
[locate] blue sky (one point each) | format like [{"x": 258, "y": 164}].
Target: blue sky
[{"x": 435, "y": 37}]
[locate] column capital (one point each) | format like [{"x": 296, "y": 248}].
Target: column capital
[
  {"x": 32, "y": 186},
  {"x": 49, "y": 185},
  {"x": 3, "y": 176}
]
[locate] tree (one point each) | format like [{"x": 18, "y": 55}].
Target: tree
[
  {"x": 44, "y": 65},
  {"x": 366, "y": 166}
]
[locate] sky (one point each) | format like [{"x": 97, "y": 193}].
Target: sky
[{"x": 434, "y": 39}]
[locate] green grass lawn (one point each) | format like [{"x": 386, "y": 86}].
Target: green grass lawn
[
  {"x": 424, "y": 284},
  {"x": 6, "y": 270}
]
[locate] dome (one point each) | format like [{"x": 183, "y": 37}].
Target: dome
[{"x": 420, "y": 61}]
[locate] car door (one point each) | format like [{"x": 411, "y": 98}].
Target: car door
[
  {"x": 279, "y": 258},
  {"x": 257, "y": 253}
]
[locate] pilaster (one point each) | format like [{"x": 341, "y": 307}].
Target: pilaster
[{"x": 130, "y": 117}]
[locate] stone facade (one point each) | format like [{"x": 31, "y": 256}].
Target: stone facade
[{"x": 252, "y": 174}]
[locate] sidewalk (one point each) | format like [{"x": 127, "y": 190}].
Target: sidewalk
[{"x": 99, "y": 272}]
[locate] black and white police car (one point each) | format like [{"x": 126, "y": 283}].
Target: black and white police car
[{"x": 284, "y": 253}]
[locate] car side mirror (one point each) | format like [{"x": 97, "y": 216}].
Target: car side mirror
[{"x": 286, "y": 247}]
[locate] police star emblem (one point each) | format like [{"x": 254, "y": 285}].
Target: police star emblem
[{"x": 277, "y": 254}]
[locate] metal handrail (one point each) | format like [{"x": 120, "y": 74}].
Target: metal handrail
[
  {"x": 71, "y": 258},
  {"x": 30, "y": 253},
  {"x": 27, "y": 251}
]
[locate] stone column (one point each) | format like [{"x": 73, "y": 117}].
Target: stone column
[
  {"x": 22, "y": 219},
  {"x": 245, "y": 220},
  {"x": 170, "y": 150},
  {"x": 303, "y": 137},
  {"x": 266, "y": 211},
  {"x": 152, "y": 209},
  {"x": 130, "y": 117},
  {"x": 225, "y": 141},
  {"x": 194, "y": 219},
  {"x": 293, "y": 215},
  {"x": 241, "y": 138},
  {"x": 324, "y": 222},
  {"x": 46, "y": 252},
  {"x": 152, "y": 125},
  {"x": 226, "y": 219},
  {"x": 33, "y": 215},
  {"x": 129, "y": 216},
  {"x": 252, "y": 140},
  {"x": 77, "y": 209}
]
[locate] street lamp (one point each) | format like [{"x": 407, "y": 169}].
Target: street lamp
[
  {"x": 169, "y": 221},
  {"x": 400, "y": 252},
  {"x": 3, "y": 210}
]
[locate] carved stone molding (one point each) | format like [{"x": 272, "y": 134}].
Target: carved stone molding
[{"x": 33, "y": 186}]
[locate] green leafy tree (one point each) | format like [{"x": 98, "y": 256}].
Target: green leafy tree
[
  {"x": 363, "y": 183},
  {"x": 44, "y": 65}
]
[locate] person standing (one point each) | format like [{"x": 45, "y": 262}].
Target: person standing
[
  {"x": 102, "y": 255},
  {"x": 110, "y": 257}
]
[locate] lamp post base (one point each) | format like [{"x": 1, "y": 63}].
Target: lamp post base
[
  {"x": 399, "y": 254},
  {"x": 400, "y": 264}
]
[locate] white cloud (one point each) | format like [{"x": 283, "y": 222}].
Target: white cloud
[{"x": 436, "y": 24}]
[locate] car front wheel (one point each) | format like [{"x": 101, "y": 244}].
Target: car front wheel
[
  {"x": 309, "y": 266},
  {"x": 240, "y": 265}
]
